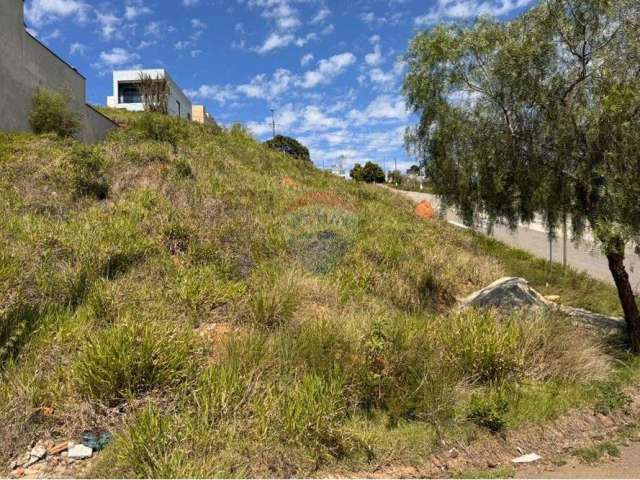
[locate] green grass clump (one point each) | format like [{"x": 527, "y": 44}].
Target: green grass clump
[
  {"x": 274, "y": 301},
  {"x": 89, "y": 176},
  {"x": 594, "y": 454},
  {"x": 130, "y": 359},
  {"x": 253, "y": 316}
]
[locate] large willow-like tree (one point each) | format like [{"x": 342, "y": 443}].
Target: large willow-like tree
[{"x": 540, "y": 115}]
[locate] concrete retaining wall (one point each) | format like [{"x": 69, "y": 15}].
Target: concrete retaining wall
[{"x": 26, "y": 64}]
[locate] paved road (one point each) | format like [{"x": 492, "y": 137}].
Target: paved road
[
  {"x": 584, "y": 256},
  {"x": 627, "y": 466}
]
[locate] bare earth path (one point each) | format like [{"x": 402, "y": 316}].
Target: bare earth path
[
  {"x": 584, "y": 256},
  {"x": 627, "y": 466}
]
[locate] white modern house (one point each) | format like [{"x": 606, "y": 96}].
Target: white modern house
[{"x": 126, "y": 93}]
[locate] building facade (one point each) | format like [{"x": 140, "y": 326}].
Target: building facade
[
  {"x": 27, "y": 64},
  {"x": 199, "y": 114},
  {"x": 127, "y": 94}
]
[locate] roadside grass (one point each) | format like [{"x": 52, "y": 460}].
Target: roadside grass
[
  {"x": 224, "y": 322},
  {"x": 596, "y": 453}
]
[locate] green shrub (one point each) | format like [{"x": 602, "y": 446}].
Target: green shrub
[
  {"x": 89, "y": 178},
  {"x": 132, "y": 358},
  {"x": 289, "y": 146},
  {"x": 489, "y": 409},
  {"x": 595, "y": 453},
  {"x": 611, "y": 398},
  {"x": 51, "y": 113},
  {"x": 161, "y": 128}
]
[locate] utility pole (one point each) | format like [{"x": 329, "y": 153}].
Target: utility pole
[
  {"x": 564, "y": 243},
  {"x": 273, "y": 121}
]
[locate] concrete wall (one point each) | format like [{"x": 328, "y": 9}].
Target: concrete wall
[{"x": 26, "y": 64}]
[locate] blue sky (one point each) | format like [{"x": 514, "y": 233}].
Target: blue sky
[{"x": 331, "y": 69}]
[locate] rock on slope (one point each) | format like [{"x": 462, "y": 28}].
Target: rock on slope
[{"x": 513, "y": 292}]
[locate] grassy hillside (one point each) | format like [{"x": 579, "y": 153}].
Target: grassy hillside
[{"x": 227, "y": 311}]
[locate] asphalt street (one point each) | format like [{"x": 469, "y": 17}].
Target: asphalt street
[{"x": 583, "y": 256}]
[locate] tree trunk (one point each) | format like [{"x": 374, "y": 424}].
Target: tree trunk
[{"x": 627, "y": 298}]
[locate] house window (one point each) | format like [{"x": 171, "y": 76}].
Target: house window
[
  {"x": 129, "y": 93},
  {"x": 179, "y": 109}
]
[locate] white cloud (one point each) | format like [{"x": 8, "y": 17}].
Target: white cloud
[
  {"x": 372, "y": 20},
  {"x": 467, "y": 9},
  {"x": 275, "y": 41},
  {"x": 219, "y": 93},
  {"x": 39, "y": 12},
  {"x": 153, "y": 28},
  {"x": 135, "y": 9},
  {"x": 267, "y": 88},
  {"x": 383, "y": 107},
  {"x": 328, "y": 69},
  {"x": 375, "y": 57},
  {"x": 77, "y": 48},
  {"x": 321, "y": 16},
  {"x": 117, "y": 57},
  {"x": 190, "y": 3},
  {"x": 109, "y": 24},
  {"x": 198, "y": 24},
  {"x": 306, "y": 59}
]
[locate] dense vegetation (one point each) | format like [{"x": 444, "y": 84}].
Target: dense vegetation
[
  {"x": 226, "y": 310},
  {"x": 289, "y": 146},
  {"x": 538, "y": 116},
  {"x": 51, "y": 113},
  {"x": 369, "y": 173}
]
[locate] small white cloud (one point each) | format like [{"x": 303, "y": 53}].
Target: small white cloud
[
  {"x": 135, "y": 9},
  {"x": 384, "y": 107},
  {"x": 328, "y": 69},
  {"x": 275, "y": 41},
  {"x": 40, "y": 12},
  {"x": 306, "y": 59},
  {"x": 321, "y": 16},
  {"x": 375, "y": 57},
  {"x": 77, "y": 48},
  {"x": 467, "y": 9},
  {"x": 109, "y": 24},
  {"x": 117, "y": 57}
]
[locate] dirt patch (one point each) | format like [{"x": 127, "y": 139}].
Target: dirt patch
[
  {"x": 554, "y": 442},
  {"x": 215, "y": 334},
  {"x": 289, "y": 182},
  {"x": 328, "y": 199},
  {"x": 425, "y": 210}
]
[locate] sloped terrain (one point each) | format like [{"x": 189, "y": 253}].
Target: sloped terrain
[{"x": 224, "y": 310}]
